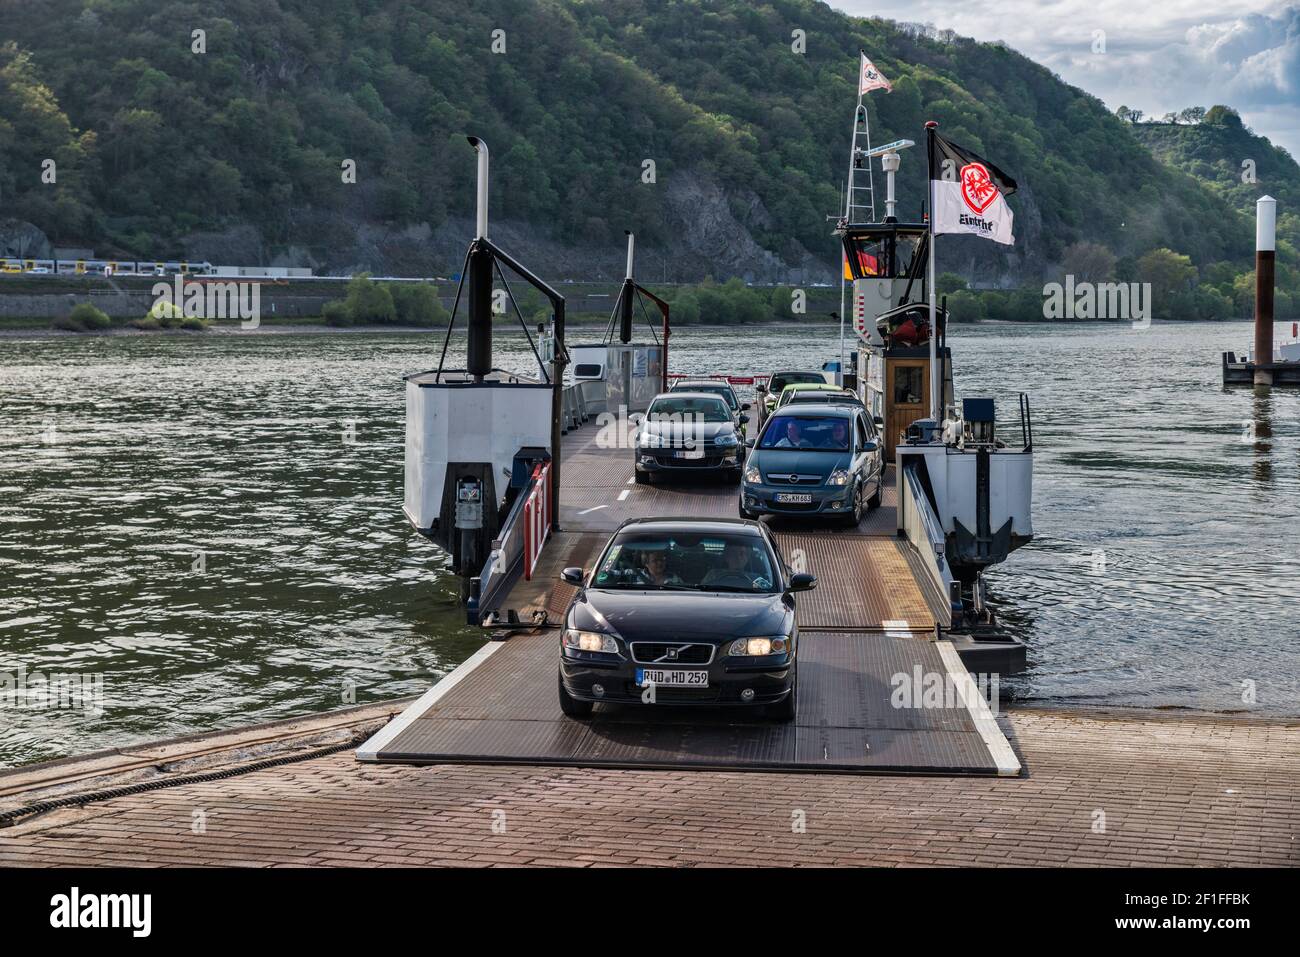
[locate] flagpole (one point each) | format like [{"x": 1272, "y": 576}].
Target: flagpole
[
  {"x": 848, "y": 211},
  {"x": 934, "y": 330}
]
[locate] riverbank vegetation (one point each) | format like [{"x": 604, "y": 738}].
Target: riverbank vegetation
[{"x": 83, "y": 317}]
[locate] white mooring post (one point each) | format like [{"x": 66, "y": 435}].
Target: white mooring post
[{"x": 1265, "y": 252}]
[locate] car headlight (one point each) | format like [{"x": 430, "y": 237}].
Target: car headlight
[
  {"x": 589, "y": 641},
  {"x": 758, "y": 647},
  {"x": 838, "y": 477},
  {"x": 726, "y": 441},
  {"x": 651, "y": 440},
  {"x": 752, "y": 476}
]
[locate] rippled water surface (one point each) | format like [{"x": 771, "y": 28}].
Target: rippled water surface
[{"x": 213, "y": 524}]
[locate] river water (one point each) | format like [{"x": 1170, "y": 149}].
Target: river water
[{"x": 211, "y": 527}]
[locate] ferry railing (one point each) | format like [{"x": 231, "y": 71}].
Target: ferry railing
[
  {"x": 537, "y": 518},
  {"x": 923, "y": 530},
  {"x": 1026, "y": 423},
  {"x": 505, "y": 556},
  {"x": 523, "y": 533}
]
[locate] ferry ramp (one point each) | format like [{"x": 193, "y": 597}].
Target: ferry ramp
[{"x": 871, "y": 627}]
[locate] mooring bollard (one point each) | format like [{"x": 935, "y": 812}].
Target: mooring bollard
[{"x": 1265, "y": 252}]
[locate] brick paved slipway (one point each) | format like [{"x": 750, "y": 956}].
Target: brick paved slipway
[{"x": 1115, "y": 788}]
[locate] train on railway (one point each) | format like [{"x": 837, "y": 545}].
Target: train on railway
[{"x": 106, "y": 267}]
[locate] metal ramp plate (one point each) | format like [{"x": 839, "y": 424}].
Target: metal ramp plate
[{"x": 500, "y": 707}]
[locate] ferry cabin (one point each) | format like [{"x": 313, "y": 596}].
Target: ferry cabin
[{"x": 887, "y": 263}]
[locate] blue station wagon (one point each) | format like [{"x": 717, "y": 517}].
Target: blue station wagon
[{"x": 813, "y": 459}]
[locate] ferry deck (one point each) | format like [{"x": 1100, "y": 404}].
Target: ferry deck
[{"x": 873, "y": 622}]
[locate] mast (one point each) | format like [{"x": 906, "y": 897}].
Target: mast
[
  {"x": 859, "y": 159},
  {"x": 930, "y": 127}
]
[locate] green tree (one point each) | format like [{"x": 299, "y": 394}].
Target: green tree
[
  {"x": 369, "y": 302},
  {"x": 417, "y": 304},
  {"x": 1169, "y": 273},
  {"x": 1088, "y": 262},
  {"x": 949, "y": 282}
]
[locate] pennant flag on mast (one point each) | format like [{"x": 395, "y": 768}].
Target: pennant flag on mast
[
  {"x": 970, "y": 193},
  {"x": 869, "y": 78}
]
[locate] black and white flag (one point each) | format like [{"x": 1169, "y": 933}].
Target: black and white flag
[{"x": 970, "y": 193}]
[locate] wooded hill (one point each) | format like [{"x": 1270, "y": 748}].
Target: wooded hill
[{"x": 239, "y": 149}]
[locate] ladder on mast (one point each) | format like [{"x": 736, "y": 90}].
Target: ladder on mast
[{"x": 860, "y": 162}]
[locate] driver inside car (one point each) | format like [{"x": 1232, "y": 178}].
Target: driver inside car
[
  {"x": 736, "y": 565},
  {"x": 654, "y": 570},
  {"x": 793, "y": 438}
]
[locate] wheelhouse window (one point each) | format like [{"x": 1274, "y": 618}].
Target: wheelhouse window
[
  {"x": 908, "y": 385},
  {"x": 886, "y": 256}
]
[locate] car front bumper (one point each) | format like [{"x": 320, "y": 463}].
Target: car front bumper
[
  {"x": 825, "y": 499},
  {"x": 663, "y": 460},
  {"x": 771, "y": 681}
]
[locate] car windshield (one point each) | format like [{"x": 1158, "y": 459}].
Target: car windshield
[
  {"x": 687, "y": 408},
  {"x": 646, "y": 560},
  {"x": 783, "y": 379},
  {"x": 808, "y": 432},
  {"x": 718, "y": 389}
]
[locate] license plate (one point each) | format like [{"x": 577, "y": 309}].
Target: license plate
[
  {"x": 689, "y": 454},
  {"x": 674, "y": 678},
  {"x": 794, "y": 498}
]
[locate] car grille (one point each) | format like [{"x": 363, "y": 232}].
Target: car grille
[
  {"x": 656, "y": 653},
  {"x": 792, "y": 478},
  {"x": 709, "y": 461}
]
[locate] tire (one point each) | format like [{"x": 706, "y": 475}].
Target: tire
[
  {"x": 854, "y": 518},
  {"x": 571, "y": 706},
  {"x": 734, "y": 476},
  {"x": 874, "y": 501},
  {"x": 745, "y": 513},
  {"x": 785, "y": 711},
  {"x": 642, "y": 478}
]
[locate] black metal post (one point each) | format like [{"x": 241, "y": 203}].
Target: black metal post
[
  {"x": 478, "y": 360},
  {"x": 557, "y": 409}
]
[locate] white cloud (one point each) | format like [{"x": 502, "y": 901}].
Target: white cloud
[{"x": 1159, "y": 58}]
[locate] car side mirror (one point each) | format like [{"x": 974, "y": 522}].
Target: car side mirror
[
  {"x": 745, "y": 406},
  {"x": 744, "y": 420},
  {"x": 803, "y": 582},
  {"x": 749, "y": 442},
  {"x": 878, "y": 420},
  {"x": 870, "y": 446},
  {"x": 760, "y": 388},
  {"x": 572, "y": 576}
]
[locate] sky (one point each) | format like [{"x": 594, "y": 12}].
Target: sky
[{"x": 1159, "y": 56}]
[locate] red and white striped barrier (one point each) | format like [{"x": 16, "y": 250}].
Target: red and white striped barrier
[
  {"x": 537, "y": 518},
  {"x": 733, "y": 379}
]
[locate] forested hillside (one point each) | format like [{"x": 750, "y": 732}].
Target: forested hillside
[
  {"x": 1239, "y": 165},
  {"x": 239, "y": 150}
]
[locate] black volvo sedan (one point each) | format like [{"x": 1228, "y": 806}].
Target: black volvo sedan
[{"x": 683, "y": 611}]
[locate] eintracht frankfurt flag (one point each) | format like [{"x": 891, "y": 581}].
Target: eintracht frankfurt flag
[
  {"x": 970, "y": 193},
  {"x": 871, "y": 79}
]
